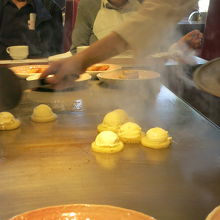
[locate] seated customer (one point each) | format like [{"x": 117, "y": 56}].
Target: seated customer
[
  {"x": 96, "y": 19},
  {"x": 44, "y": 36}
]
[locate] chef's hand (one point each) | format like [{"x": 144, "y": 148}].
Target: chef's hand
[
  {"x": 192, "y": 39},
  {"x": 65, "y": 69},
  {"x": 64, "y": 72}
]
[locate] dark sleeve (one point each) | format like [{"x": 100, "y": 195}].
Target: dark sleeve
[
  {"x": 52, "y": 30},
  {"x": 87, "y": 11},
  {"x": 57, "y": 25},
  {"x": 60, "y": 3},
  {"x": 1, "y": 8}
]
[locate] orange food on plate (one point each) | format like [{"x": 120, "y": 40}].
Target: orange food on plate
[
  {"x": 103, "y": 67},
  {"x": 35, "y": 70},
  {"x": 98, "y": 67},
  {"x": 24, "y": 71}
]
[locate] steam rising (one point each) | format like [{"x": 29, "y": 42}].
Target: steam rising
[{"x": 131, "y": 96}]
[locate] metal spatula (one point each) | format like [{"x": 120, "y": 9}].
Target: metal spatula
[{"x": 11, "y": 88}]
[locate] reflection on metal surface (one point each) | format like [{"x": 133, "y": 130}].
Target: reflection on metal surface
[
  {"x": 8, "y": 137},
  {"x": 164, "y": 95},
  {"x": 131, "y": 151},
  {"x": 107, "y": 161},
  {"x": 78, "y": 105},
  {"x": 157, "y": 156},
  {"x": 44, "y": 128},
  {"x": 57, "y": 105},
  {"x": 2, "y": 154}
]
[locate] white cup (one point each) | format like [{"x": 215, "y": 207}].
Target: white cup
[
  {"x": 18, "y": 52},
  {"x": 81, "y": 48}
]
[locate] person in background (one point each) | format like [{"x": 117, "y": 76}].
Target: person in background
[
  {"x": 36, "y": 23},
  {"x": 143, "y": 32},
  {"x": 99, "y": 19}
]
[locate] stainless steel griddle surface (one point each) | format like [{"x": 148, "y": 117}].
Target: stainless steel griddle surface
[{"x": 52, "y": 163}]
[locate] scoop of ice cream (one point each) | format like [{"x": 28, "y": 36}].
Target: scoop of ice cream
[
  {"x": 130, "y": 129},
  {"x": 157, "y": 134},
  {"x": 107, "y": 142},
  {"x": 43, "y": 113},
  {"x": 107, "y": 138},
  {"x": 6, "y": 117},
  {"x": 8, "y": 121},
  {"x": 113, "y": 120},
  {"x": 43, "y": 110},
  {"x": 156, "y": 138},
  {"x": 122, "y": 115}
]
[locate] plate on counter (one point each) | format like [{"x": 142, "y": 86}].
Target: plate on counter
[
  {"x": 101, "y": 68},
  {"x": 141, "y": 81},
  {"x": 82, "y": 212},
  {"x": 25, "y": 71},
  {"x": 128, "y": 76},
  {"x": 83, "y": 78}
]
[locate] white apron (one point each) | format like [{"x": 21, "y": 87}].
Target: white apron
[{"x": 108, "y": 19}]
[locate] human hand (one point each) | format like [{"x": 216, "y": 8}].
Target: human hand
[
  {"x": 63, "y": 72},
  {"x": 192, "y": 40}
]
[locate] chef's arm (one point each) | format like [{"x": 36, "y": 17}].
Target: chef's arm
[
  {"x": 143, "y": 32},
  {"x": 103, "y": 49}
]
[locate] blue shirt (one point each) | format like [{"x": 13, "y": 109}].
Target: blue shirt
[{"x": 45, "y": 40}]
